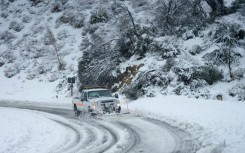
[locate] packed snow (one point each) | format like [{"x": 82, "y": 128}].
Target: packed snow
[
  {"x": 26, "y": 131},
  {"x": 217, "y": 125}
]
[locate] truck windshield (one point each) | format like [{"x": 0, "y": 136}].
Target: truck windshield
[{"x": 99, "y": 93}]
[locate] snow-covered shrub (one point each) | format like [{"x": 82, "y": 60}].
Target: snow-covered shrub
[
  {"x": 218, "y": 8},
  {"x": 62, "y": 65},
  {"x": 4, "y": 4},
  {"x": 135, "y": 41},
  {"x": 99, "y": 16},
  {"x": 88, "y": 28},
  {"x": 63, "y": 2},
  {"x": 46, "y": 39},
  {"x": 236, "y": 5},
  {"x": 66, "y": 17},
  {"x": 188, "y": 35},
  {"x": 166, "y": 51},
  {"x": 225, "y": 30},
  {"x": 11, "y": 70},
  {"x": 53, "y": 77},
  {"x": 178, "y": 90},
  {"x": 16, "y": 26},
  {"x": 78, "y": 20},
  {"x": 8, "y": 56},
  {"x": 220, "y": 57},
  {"x": 57, "y": 7},
  {"x": 139, "y": 3},
  {"x": 170, "y": 19},
  {"x": 36, "y": 2},
  {"x": 37, "y": 29},
  {"x": 44, "y": 67},
  {"x": 185, "y": 75},
  {"x": 97, "y": 65},
  {"x": 242, "y": 10},
  {"x": 238, "y": 91},
  {"x": 31, "y": 75},
  {"x": 196, "y": 49},
  {"x": 7, "y": 37},
  {"x": 196, "y": 84},
  {"x": 170, "y": 62},
  {"x": 96, "y": 38},
  {"x": 239, "y": 73},
  {"x": 144, "y": 80},
  {"x": 4, "y": 15},
  {"x": 117, "y": 8},
  {"x": 133, "y": 92},
  {"x": 26, "y": 19},
  {"x": 210, "y": 74},
  {"x": 241, "y": 33},
  {"x": 63, "y": 35},
  {"x": 75, "y": 19},
  {"x": 85, "y": 43}
]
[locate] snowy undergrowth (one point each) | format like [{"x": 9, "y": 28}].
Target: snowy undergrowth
[
  {"x": 28, "y": 61},
  {"x": 215, "y": 126}
]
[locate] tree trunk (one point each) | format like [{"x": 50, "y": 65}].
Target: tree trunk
[
  {"x": 229, "y": 61},
  {"x": 132, "y": 20}
]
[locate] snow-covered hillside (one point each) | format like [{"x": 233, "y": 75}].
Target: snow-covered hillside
[
  {"x": 29, "y": 65},
  {"x": 156, "y": 53}
]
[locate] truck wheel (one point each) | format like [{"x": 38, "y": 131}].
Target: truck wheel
[
  {"x": 77, "y": 112},
  {"x": 119, "y": 109}
]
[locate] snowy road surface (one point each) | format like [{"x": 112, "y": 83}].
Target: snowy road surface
[{"x": 43, "y": 129}]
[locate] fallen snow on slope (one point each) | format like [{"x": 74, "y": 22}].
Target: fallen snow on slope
[{"x": 217, "y": 125}]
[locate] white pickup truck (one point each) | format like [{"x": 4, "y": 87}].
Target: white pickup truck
[{"x": 96, "y": 101}]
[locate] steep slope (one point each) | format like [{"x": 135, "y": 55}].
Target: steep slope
[{"x": 30, "y": 70}]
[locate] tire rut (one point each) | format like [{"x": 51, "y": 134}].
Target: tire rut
[
  {"x": 135, "y": 138},
  {"x": 76, "y": 141}
]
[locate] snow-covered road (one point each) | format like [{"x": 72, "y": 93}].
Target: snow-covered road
[{"x": 44, "y": 129}]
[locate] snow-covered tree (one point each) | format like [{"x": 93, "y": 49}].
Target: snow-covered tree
[{"x": 52, "y": 41}]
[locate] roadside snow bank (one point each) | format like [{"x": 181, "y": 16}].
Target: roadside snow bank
[
  {"x": 219, "y": 126},
  {"x": 27, "y": 132}
]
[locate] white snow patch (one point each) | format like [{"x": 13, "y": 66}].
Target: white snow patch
[
  {"x": 219, "y": 125},
  {"x": 28, "y": 132}
]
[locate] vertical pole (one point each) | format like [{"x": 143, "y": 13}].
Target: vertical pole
[
  {"x": 127, "y": 104},
  {"x": 71, "y": 89}
]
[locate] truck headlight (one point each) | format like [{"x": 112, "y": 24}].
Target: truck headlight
[{"x": 118, "y": 104}]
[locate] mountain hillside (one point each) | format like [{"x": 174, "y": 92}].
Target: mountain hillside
[{"x": 194, "y": 48}]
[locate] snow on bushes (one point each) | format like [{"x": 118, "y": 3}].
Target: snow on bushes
[
  {"x": 7, "y": 37},
  {"x": 135, "y": 41},
  {"x": 57, "y": 7},
  {"x": 238, "y": 91},
  {"x": 144, "y": 80},
  {"x": 11, "y": 70},
  {"x": 26, "y": 19},
  {"x": 7, "y": 56},
  {"x": 170, "y": 62},
  {"x": 74, "y": 18},
  {"x": 172, "y": 20},
  {"x": 210, "y": 74},
  {"x": 36, "y": 2},
  {"x": 99, "y": 16},
  {"x": 14, "y": 25}
]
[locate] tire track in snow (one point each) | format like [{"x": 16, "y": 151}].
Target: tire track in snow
[
  {"x": 134, "y": 140},
  {"x": 114, "y": 138},
  {"x": 73, "y": 142},
  {"x": 119, "y": 134},
  {"x": 183, "y": 143}
]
